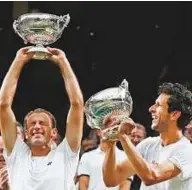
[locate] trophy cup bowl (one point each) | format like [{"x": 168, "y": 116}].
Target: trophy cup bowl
[
  {"x": 112, "y": 102},
  {"x": 40, "y": 29}
]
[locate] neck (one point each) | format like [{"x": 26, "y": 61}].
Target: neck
[
  {"x": 171, "y": 136},
  {"x": 40, "y": 150}
]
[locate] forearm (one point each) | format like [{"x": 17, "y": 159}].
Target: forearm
[
  {"x": 9, "y": 85},
  {"x": 141, "y": 166},
  {"x": 109, "y": 168},
  {"x": 83, "y": 183},
  {"x": 83, "y": 187},
  {"x": 71, "y": 83}
]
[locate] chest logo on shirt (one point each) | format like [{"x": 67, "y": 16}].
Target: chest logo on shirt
[
  {"x": 154, "y": 163},
  {"x": 49, "y": 163}
]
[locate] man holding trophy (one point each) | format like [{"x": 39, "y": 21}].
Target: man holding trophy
[
  {"x": 38, "y": 165},
  {"x": 164, "y": 162}
]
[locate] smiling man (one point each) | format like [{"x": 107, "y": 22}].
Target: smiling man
[
  {"x": 37, "y": 165},
  {"x": 164, "y": 162}
]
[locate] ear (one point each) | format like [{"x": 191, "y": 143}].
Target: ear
[
  {"x": 54, "y": 133},
  {"x": 175, "y": 115},
  {"x": 26, "y": 134}
]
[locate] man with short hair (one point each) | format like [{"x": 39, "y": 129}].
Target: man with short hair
[
  {"x": 36, "y": 165},
  {"x": 90, "y": 168},
  {"x": 164, "y": 162}
]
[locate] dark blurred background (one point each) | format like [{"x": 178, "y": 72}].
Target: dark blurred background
[{"x": 145, "y": 42}]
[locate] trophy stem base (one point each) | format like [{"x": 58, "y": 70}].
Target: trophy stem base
[
  {"x": 111, "y": 133},
  {"x": 41, "y": 53}
]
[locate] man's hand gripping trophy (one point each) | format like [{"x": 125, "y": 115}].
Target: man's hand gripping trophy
[{"x": 117, "y": 129}]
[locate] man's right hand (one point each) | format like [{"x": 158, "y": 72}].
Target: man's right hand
[
  {"x": 58, "y": 56},
  {"x": 3, "y": 178},
  {"x": 126, "y": 128},
  {"x": 22, "y": 56}
]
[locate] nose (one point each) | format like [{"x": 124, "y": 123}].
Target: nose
[
  {"x": 135, "y": 141},
  {"x": 37, "y": 126},
  {"x": 152, "y": 108}
]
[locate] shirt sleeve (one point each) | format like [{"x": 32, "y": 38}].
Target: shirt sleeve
[
  {"x": 84, "y": 165},
  {"x": 66, "y": 149},
  {"x": 19, "y": 151},
  {"x": 182, "y": 158}
]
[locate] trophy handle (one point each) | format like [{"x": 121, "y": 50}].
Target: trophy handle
[
  {"x": 15, "y": 27},
  {"x": 124, "y": 85},
  {"x": 65, "y": 19}
]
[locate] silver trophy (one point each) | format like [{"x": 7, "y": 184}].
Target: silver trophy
[
  {"x": 40, "y": 29},
  {"x": 112, "y": 102}
]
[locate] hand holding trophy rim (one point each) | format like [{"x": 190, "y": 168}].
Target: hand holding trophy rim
[{"x": 40, "y": 29}]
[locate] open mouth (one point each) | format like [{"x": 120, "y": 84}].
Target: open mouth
[
  {"x": 37, "y": 134},
  {"x": 154, "y": 118}
]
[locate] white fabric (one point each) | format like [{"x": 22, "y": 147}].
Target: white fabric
[
  {"x": 91, "y": 164},
  {"x": 180, "y": 153},
  {"x": 54, "y": 171}
]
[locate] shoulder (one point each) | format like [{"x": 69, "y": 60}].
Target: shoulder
[
  {"x": 90, "y": 154},
  {"x": 148, "y": 145},
  {"x": 64, "y": 149},
  {"x": 149, "y": 141},
  {"x": 184, "y": 148}
]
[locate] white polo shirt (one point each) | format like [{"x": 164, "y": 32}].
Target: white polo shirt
[
  {"x": 52, "y": 172},
  {"x": 180, "y": 153},
  {"x": 91, "y": 164}
]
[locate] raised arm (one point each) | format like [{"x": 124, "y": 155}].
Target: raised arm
[
  {"x": 149, "y": 173},
  {"x": 75, "y": 117},
  {"x": 7, "y": 93}
]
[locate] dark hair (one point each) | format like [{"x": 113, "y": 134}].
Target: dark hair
[
  {"x": 180, "y": 100},
  {"x": 40, "y": 110}
]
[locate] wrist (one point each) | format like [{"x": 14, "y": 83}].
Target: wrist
[
  {"x": 62, "y": 61},
  {"x": 124, "y": 138},
  {"x": 19, "y": 62}
]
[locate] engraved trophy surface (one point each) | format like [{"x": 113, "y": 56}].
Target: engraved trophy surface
[
  {"x": 116, "y": 102},
  {"x": 40, "y": 29}
]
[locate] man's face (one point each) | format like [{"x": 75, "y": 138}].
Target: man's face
[
  {"x": 88, "y": 144},
  {"x": 39, "y": 129},
  {"x": 137, "y": 135},
  {"x": 159, "y": 113},
  {"x": 2, "y": 160}
]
